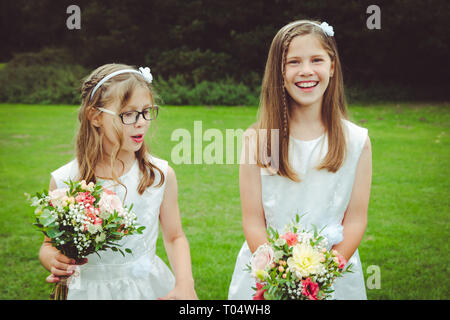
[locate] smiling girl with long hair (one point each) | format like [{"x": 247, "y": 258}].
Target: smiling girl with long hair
[{"x": 323, "y": 169}]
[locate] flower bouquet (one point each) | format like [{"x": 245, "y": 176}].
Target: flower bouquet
[
  {"x": 295, "y": 266},
  {"x": 82, "y": 219}
]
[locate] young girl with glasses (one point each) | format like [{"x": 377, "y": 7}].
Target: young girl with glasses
[
  {"x": 117, "y": 106},
  {"x": 324, "y": 166}
]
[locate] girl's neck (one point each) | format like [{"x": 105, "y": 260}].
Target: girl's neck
[
  {"x": 120, "y": 166},
  {"x": 305, "y": 122}
]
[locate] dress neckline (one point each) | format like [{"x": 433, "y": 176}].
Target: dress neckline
[
  {"x": 308, "y": 141},
  {"x": 125, "y": 174}
]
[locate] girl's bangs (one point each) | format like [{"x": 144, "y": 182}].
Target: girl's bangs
[{"x": 122, "y": 89}]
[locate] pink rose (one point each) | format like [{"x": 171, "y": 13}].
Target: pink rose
[
  {"x": 262, "y": 257},
  {"x": 57, "y": 197},
  {"x": 259, "y": 294},
  {"x": 342, "y": 261},
  {"x": 107, "y": 191},
  {"x": 291, "y": 238},
  {"x": 110, "y": 202},
  {"x": 310, "y": 289},
  {"x": 58, "y": 194}
]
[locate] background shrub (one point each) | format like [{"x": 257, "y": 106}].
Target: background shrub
[
  {"x": 45, "y": 77},
  {"x": 178, "y": 91}
]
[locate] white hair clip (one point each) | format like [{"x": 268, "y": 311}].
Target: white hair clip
[
  {"x": 326, "y": 28},
  {"x": 144, "y": 72}
]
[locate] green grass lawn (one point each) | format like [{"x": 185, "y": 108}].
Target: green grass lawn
[{"x": 408, "y": 225}]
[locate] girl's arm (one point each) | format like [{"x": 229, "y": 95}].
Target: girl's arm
[
  {"x": 355, "y": 218},
  {"x": 175, "y": 242},
  {"x": 253, "y": 220},
  {"x": 51, "y": 258}
]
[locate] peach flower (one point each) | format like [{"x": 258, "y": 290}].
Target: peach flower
[{"x": 291, "y": 238}]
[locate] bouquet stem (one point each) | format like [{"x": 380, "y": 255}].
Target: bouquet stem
[{"x": 61, "y": 289}]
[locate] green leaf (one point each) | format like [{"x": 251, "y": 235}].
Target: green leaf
[
  {"x": 55, "y": 233},
  {"x": 113, "y": 244},
  {"x": 38, "y": 225},
  {"x": 46, "y": 220},
  {"x": 322, "y": 229}
]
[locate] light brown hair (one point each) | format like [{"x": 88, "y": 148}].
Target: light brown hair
[
  {"x": 89, "y": 147},
  {"x": 274, "y": 107}
]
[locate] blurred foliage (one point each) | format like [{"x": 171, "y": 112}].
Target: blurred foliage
[
  {"x": 46, "y": 77},
  {"x": 178, "y": 91},
  {"x": 227, "y": 41},
  {"x": 194, "y": 65}
]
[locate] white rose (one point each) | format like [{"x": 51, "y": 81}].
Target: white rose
[
  {"x": 100, "y": 238},
  {"x": 83, "y": 185},
  {"x": 280, "y": 242},
  {"x": 90, "y": 186},
  {"x": 278, "y": 255},
  {"x": 94, "y": 228}
]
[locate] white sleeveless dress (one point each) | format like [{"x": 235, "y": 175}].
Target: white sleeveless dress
[
  {"x": 322, "y": 197},
  {"x": 140, "y": 275}
]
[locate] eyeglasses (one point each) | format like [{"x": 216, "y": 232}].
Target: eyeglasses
[{"x": 131, "y": 117}]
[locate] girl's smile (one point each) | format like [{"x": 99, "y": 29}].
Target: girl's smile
[
  {"x": 308, "y": 70},
  {"x": 307, "y": 86}
]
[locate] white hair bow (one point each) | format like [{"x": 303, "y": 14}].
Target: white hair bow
[
  {"x": 146, "y": 74},
  {"x": 327, "y": 29}
]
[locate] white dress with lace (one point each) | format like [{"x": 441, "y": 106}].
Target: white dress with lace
[
  {"x": 140, "y": 275},
  {"x": 322, "y": 197}
]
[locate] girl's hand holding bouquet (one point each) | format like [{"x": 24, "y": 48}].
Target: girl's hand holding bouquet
[
  {"x": 80, "y": 220},
  {"x": 295, "y": 266}
]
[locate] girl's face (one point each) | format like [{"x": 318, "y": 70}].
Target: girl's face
[
  {"x": 308, "y": 70},
  {"x": 132, "y": 134}
]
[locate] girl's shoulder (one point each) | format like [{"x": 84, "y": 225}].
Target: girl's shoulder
[
  {"x": 65, "y": 172},
  {"x": 356, "y": 136},
  {"x": 161, "y": 164},
  {"x": 353, "y": 131},
  {"x": 353, "y": 128}
]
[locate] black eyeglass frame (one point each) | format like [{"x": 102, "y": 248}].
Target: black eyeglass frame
[{"x": 138, "y": 113}]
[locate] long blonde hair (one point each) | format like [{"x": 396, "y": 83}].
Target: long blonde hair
[
  {"x": 274, "y": 113},
  {"x": 89, "y": 146}
]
